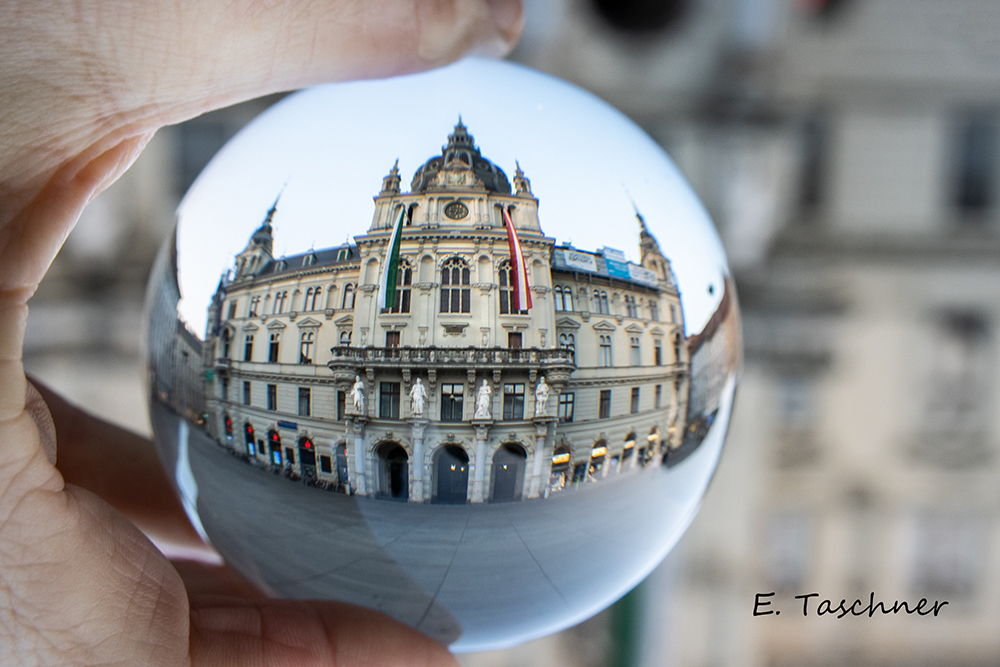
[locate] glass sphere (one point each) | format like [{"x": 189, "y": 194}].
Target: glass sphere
[{"x": 459, "y": 346}]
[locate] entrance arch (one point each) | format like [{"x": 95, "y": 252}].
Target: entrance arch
[
  {"x": 451, "y": 475},
  {"x": 393, "y": 474},
  {"x": 559, "y": 472},
  {"x": 249, "y": 437},
  {"x": 508, "y": 473},
  {"x": 274, "y": 444},
  {"x": 307, "y": 457}
]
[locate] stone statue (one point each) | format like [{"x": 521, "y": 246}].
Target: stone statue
[
  {"x": 541, "y": 397},
  {"x": 483, "y": 402},
  {"x": 358, "y": 394},
  {"x": 418, "y": 398}
]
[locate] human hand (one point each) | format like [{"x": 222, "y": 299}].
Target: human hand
[{"x": 83, "y": 87}]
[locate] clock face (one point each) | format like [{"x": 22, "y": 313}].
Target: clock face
[{"x": 456, "y": 210}]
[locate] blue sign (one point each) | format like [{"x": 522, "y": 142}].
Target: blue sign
[
  {"x": 290, "y": 425},
  {"x": 617, "y": 269}
]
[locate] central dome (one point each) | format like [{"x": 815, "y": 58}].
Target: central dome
[{"x": 460, "y": 155}]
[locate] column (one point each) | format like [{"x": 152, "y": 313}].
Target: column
[
  {"x": 417, "y": 479},
  {"x": 358, "y": 429},
  {"x": 479, "y": 466},
  {"x": 534, "y": 485}
]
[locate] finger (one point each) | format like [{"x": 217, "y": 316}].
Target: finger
[
  {"x": 206, "y": 579},
  {"x": 232, "y": 632},
  {"x": 121, "y": 468}
]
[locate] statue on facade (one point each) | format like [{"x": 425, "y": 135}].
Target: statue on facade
[
  {"x": 541, "y": 397},
  {"x": 418, "y": 398},
  {"x": 483, "y": 402},
  {"x": 358, "y": 394}
]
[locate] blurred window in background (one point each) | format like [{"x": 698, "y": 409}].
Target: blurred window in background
[
  {"x": 246, "y": 392},
  {"x": 348, "y": 302},
  {"x": 635, "y": 353},
  {"x": 248, "y": 348},
  {"x": 232, "y": 308},
  {"x": 604, "y": 348},
  {"x": 566, "y": 407},
  {"x": 306, "y": 346},
  {"x": 305, "y": 402},
  {"x": 654, "y": 310},
  {"x": 787, "y": 550},
  {"x": 254, "y": 306},
  {"x": 604, "y": 407},
  {"x": 272, "y": 353},
  {"x": 279, "y": 302},
  {"x": 634, "y": 401},
  {"x": 947, "y": 552},
  {"x": 272, "y": 397},
  {"x": 812, "y": 171},
  {"x": 976, "y": 169}
]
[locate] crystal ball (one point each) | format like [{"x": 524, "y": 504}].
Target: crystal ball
[{"x": 460, "y": 347}]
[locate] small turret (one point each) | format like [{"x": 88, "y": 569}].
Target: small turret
[
  {"x": 259, "y": 249},
  {"x": 649, "y": 252},
  {"x": 391, "y": 182},
  {"x": 522, "y": 186}
]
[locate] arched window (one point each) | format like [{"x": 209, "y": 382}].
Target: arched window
[
  {"x": 254, "y": 306},
  {"x": 506, "y": 278},
  {"x": 348, "y": 296},
  {"x": 279, "y": 302},
  {"x": 456, "y": 296},
  {"x": 567, "y": 341},
  {"x": 272, "y": 352},
  {"x": 630, "y": 307},
  {"x": 228, "y": 424},
  {"x": 306, "y": 346},
  {"x": 248, "y": 437},
  {"x": 345, "y": 337},
  {"x": 312, "y": 294},
  {"x": 567, "y": 299},
  {"x": 227, "y": 339},
  {"x": 248, "y": 348},
  {"x": 605, "y": 307},
  {"x": 635, "y": 357},
  {"x": 403, "y": 282},
  {"x": 654, "y": 310},
  {"x": 604, "y": 348}
]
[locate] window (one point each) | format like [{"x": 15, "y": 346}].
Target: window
[
  {"x": 348, "y": 296},
  {"x": 290, "y": 456},
  {"x": 812, "y": 172},
  {"x": 947, "y": 554},
  {"x": 225, "y": 388},
  {"x": 341, "y": 405},
  {"x": 246, "y": 392},
  {"x": 601, "y": 304},
  {"x": 563, "y": 298},
  {"x": 272, "y": 397},
  {"x": 975, "y": 186},
  {"x": 305, "y": 347},
  {"x": 787, "y": 554},
  {"x": 312, "y": 295},
  {"x": 451, "y": 402},
  {"x": 506, "y": 278},
  {"x": 254, "y": 306},
  {"x": 325, "y": 464},
  {"x": 514, "y": 341},
  {"x": 630, "y": 308},
  {"x": 654, "y": 310},
  {"x": 345, "y": 337},
  {"x": 634, "y": 353},
  {"x": 566, "y": 407},
  {"x": 308, "y": 260},
  {"x": 677, "y": 349},
  {"x": 272, "y": 352},
  {"x": 403, "y": 282},
  {"x": 279, "y": 302},
  {"x": 227, "y": 422},
  {"x": 673, "y": 313},
  {"x": 658, "y": 396},
  {"x": 248, "y": 348},
  {"x": 567, "y": 341},
  {"x": 232, "y": 308},
  {"x": 388, "y": 407},
  {"x": 658, "y": 353},
  {"x": 634, "y": 401},
  {"x": 392, "y": 339},
  {"x": 455, "y": 291},
  {"x": 305, "y": 402},
  {"x": 227, "y": 338},
  {"x": 604, "y": 351},
  {"x": 513, "y": 401},
  {"x": 604, "y": 408}
]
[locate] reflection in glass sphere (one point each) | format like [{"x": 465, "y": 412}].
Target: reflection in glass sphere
[{"x": 486, "y": 403}]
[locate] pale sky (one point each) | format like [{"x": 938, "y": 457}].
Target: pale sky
[{"x": 331, "y": 145}]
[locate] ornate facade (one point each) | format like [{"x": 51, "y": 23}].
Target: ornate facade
[{"x": 449, "y": 395}]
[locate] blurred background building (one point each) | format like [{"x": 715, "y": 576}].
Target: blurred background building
[{"x": 849, "y": 152}]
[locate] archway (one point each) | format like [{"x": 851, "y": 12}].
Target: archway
[
  {"x": 560, "y": 468},
  {"x": 393, "y": 473},
  {"x": 274, "y": 445},
  {"x": 508, "y": 472},
  {"x": 307, "y": 457},
  {"x": 451, "y": 475},
  {"x": 249, "y": 438}
]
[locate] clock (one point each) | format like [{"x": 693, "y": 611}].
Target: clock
[{"x": 456, "y": 210}]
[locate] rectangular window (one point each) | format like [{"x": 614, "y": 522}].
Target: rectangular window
[
  {"x": 658, "y": 353},
  {"x": 634, "y": 402},
  {"x": 514, "y": 341},
  {"x": 232, "y": 309},
  {"x": 673, "y": 313},
  {"x": 388, "y": 407},
  {"x": 325, "y": 464},
  {"x": 451, "y": 402},
  {"x": 658, "y": 396},
  {"x": 566, "y": 407},
  {"x": 272, "y": 353},
  {"x": 248, "y": 348},
  {"x": 290, "y": 456},
  {"x": 977, "y": 163},
  {"x": 341, "y": 405},
  {"x": 513, "y": 401},
  {"x": 392, "y": 339},
  {"x": 305, "y": 401},
  {"x": 225, "y": 389},
  {"x": 246, "y": 392},
  {"x": 634, "y": 354},
  {"x": 272, "y": 397},
  {"x": 604, "y": 409},
  {"x": 455, "y": 293},
  {"x": 604, "y": 351}
]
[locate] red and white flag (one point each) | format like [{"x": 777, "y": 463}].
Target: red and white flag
[{"x": 519, "y": 276}]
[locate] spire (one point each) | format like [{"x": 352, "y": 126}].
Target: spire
[
  {"x": 390, "y": 183},
  {"x": 521, "y": 183},
  {"x": 460, "y": 137},
  {"x": 264, "y": 236},
  {"x": 649, "y": 250}
]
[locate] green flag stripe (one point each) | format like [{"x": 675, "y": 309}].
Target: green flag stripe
[{"x": 392, "y": 267}]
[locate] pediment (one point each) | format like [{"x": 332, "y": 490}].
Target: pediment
[
  {"x": 567, "y": 323},
  {"x": 310, "y": 323},
  {"x": 634, "y": 328},
  {"x": 276, "y": 325},
  {"x": 604, "y": 325},
  {"x": 657, "y": 331},
  {"x": 250, "y": 326},
  {"x": 344, "y": 322}
]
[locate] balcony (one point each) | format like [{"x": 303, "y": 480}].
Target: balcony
[{"x": 459, "y": 358}]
